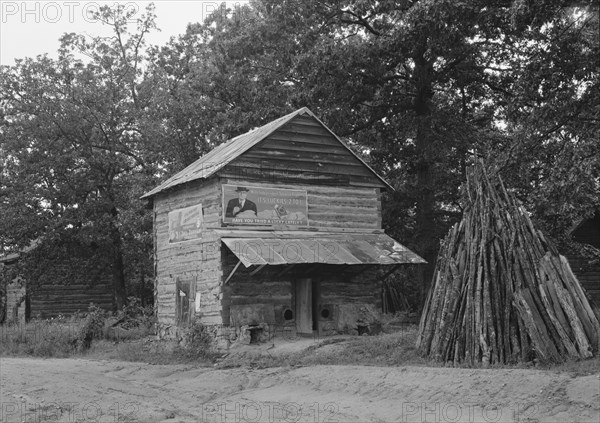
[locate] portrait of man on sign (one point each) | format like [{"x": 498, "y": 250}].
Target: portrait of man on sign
[{"x": 241, "y": 206}]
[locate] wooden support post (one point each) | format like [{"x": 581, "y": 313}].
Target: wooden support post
[
  {"x": 232, "y": 272},
  {"x": 254, "y": 272},
  {"x": 287, "y": 269}
]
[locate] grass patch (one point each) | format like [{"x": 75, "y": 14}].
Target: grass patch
[
  {"x": 586, "y": 367},
  {"x": 196, "y": 346},
  {"x": 68, "y": 336},
  {"x": 42, "y": 338},
  {"x": 62, "y": 337},
  {"x": 393, "y": 349}
]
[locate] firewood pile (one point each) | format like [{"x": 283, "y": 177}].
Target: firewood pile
[{"x": 501, "y": 293}]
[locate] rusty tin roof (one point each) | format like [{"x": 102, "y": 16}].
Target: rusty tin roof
[{"x": 225, "y": 153}]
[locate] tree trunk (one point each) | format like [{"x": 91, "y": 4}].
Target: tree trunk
[
  {"x": 425, "y": 206},
  {"x": 118, "y": 267}
]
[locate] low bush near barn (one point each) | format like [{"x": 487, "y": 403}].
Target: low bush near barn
[{"x": 197, "y": 343}]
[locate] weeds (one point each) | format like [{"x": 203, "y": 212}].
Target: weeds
[
  {"x": 64, "y": 336},
  {"x": 91, "y": 328},
  {"x": 43, "y": 338},
  {"x": 394, "y": 349},
  {"x": 134, "y": 315},
  {"x": 197, "y": 343}
]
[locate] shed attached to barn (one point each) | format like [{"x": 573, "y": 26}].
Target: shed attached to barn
[
  {"x": 54, "y": 292},
  {"x": 586, "y": 233},
  {"x": 276, "y": 229}
]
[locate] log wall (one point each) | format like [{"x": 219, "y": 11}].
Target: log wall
[
  {"x": 54, "y": 300},
  {"x": 329, "y": 207},
  {"x": 46, "y": 300},
  {"x": 268, "y": 292},
  {"x": 342, "y": 195},
  {"x": 588, "y": 273},
  {"x": 264, "y": 297},
  {"x": 302, "y": 151},
  {"x": 197, "y": 260},
  {"x": 364, "y": 288}
]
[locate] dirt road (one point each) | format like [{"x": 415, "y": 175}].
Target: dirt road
[{"x": 79, "y": 390}]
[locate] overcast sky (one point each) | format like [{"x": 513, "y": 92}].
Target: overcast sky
[{"x": 29, "y": 28}]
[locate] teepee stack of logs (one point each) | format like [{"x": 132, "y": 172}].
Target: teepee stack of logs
[{"x": 501, "y": 293}]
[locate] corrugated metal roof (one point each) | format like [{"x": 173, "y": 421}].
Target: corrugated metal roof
[
  {"x": 325, "y": 248},
  {"x": 225, "y": 153}
]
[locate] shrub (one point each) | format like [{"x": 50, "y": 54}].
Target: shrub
[
  {"x": 132, "y": 322},
  {"x": 134, "y": 315},
  {"x": 91, "y": 328},
  {"x": 197, "y": 343}
]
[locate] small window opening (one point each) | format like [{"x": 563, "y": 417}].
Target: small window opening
[{"x": 288, "y": 314}]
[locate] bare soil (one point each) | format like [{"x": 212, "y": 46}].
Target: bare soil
[{"x": 78, "y": 390}]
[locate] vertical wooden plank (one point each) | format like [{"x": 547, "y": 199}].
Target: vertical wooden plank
[
  {"x": 155, "y": 259},
  {"x": 304, "y": 305},
  {"x": 192, "y": 299},
  {"x": 316, "y": 302}
]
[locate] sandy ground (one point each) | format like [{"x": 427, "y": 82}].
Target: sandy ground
[{"x": 78, "y": 390}]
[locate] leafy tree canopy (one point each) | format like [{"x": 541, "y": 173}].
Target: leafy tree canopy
[{"x": 418, "y": 88}]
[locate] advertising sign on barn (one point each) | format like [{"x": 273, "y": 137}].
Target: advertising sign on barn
[
  {"x": 252, "y": 205},
  {"x": 185, "y": 224}
]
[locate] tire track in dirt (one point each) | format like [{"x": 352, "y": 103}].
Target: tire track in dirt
[{"x": 151, "y": 393}]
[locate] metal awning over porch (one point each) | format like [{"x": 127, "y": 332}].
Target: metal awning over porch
[{"x": 279, "y": 248}]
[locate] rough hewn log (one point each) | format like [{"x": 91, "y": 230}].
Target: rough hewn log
[{"x": 500, "y": 291}]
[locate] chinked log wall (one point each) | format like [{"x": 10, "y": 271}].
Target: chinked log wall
[
  {"x": 342, "y": 194},
  {"x": 363, "y": 288},
  {"x": 200, "y": 259},
  {"x": 47, "y": 300},
  {"x": 270, "y": 286},
  {"x": 53, "y": 300},
  {"x": 196, "y": 260},
  {"x": 328, "y": 207}
]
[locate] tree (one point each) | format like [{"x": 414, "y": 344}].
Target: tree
[
  {"x": 72, "y": 136},
  {"x": 552, "y": 112},
  {"x": 419, "y": 88}
]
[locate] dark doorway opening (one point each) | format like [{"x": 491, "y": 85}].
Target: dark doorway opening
[{"x": 308, "y": 301}]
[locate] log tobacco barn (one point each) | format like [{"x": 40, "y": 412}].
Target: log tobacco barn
[{"x": 277, "y": 228}]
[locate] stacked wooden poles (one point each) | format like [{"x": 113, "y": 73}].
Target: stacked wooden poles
[
  {"x": 393, "y": 298},
  {"x": 501, "y": 293}
]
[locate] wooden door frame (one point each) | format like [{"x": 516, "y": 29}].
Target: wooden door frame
[{"x": 303, "y": 305}]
